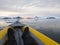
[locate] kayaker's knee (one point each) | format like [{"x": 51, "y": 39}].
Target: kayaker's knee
[{"x": 27, "y": 38}]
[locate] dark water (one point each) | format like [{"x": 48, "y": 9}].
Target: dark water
[{"x": 49, "y": 27}]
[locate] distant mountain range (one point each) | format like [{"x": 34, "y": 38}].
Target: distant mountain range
[
  {"x": 51, "y": 17},
  {"x": 18, "y": 17},
  {"x": 11, "y": 18}
]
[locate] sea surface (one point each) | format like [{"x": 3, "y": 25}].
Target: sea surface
[{"x": 49, "y": 27}]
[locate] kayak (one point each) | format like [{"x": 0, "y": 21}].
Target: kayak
[{"x": 38, "y": 36}]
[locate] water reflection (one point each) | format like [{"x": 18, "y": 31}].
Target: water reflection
[{"x": 49, "y": 27}]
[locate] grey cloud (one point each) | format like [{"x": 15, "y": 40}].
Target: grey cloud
[
  {"x": 37, "y": 3},
  {"x": 22, "y": 5},
  {"x": 13, "y": 5}
]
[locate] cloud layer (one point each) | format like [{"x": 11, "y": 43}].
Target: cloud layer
[{"x": 31, "y": 7}]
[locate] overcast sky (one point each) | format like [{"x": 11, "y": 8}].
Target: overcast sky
[{"x": 30, "y": 7}]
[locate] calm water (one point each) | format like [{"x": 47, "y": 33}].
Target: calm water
[{"x": 49, "y": 27}]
